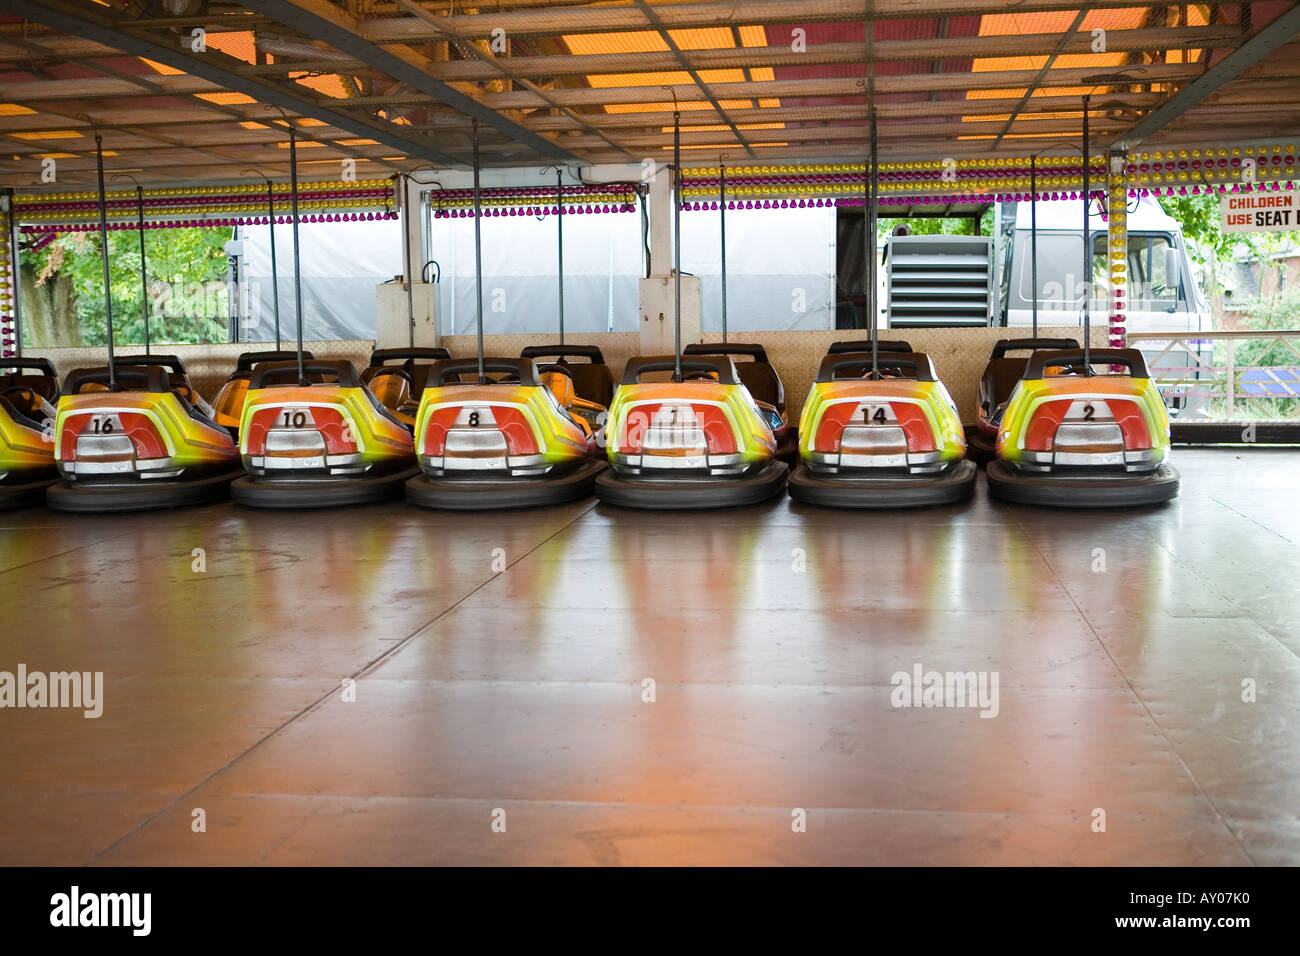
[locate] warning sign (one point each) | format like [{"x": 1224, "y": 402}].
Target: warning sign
[{"x": 1260, "y": 212}]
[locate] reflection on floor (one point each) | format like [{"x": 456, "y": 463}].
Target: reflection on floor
[{"x": 1122, "y": 645}]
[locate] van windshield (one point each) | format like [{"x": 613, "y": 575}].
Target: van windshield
[
  {"x": 1151, "y": 288},
  {"x": 1060, "y": 286}
]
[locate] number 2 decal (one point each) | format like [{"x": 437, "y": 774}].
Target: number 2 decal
[{"x": 1089, "y": 411}]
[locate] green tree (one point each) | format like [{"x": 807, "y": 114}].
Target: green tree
[{"x": 63, "y": 288}]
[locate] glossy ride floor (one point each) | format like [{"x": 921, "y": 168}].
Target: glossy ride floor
[{"x": 1121, "y": 643}]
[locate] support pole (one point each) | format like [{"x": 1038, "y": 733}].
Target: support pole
[
  {"x": 870, "y": 242},
  {"x": 559, "y": 240},
  {"x": 1033, "y": 238},
  {"x": 677, "y": 246},
  {"x": 478, "y": 256},
  {"x": 722, "y": 220},
  {"x": 103, "y": 255},
  {"x": 1117, "y": 248},
  {"x": 1087, "y": 252},
  {"x": 297, "y": 264}
]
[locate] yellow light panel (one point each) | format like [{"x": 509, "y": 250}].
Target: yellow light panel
[
  {"x": 13, "y": 109},
  {"x": 329, "y": 84},
  {"x": 49, "y": 134},
  {"x": 226, "y": 99},
  {"x": 161, "y": 68}
]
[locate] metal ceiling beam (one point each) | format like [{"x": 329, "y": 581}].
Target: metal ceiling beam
[
  {"x": 329, "y": 23},
  {"x": 837, "y": 86},
  {"x": 835, "y": 114},
  {"x": 653, "y": 19},
  {"x": 601, "y": 18},
  {"x": 740, "y": 57},
  {"x": 1269, "y": 38},
  {"x": 212, "y": 67}
]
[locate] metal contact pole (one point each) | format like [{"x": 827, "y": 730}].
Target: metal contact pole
[
  {"x": 103, "y": 255},
  {"x": 677, "y": 246},
  {"x": 1033, "y": 237},
  {"x": 478, "y": 256},
  {"x": 1087, "y": 253},
  {"x": 559, "y": 231},
  {"x": 722, "y": 219},
  {"x": 870, "y": 223},
  {"x": 297, "y": 265}
]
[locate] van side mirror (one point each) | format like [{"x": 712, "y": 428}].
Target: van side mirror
[{"x": 1173, "y": 268}]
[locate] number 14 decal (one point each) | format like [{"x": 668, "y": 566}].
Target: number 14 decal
[{"x": 874, "y": 414}]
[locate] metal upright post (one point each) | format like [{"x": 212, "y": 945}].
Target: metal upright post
[
  {"x": 1087, "y": 252},
  {"x": 722, "y": 219},
  {"x": 103, "y": 255},
  {"x": 1033, "y": 238},
  {"x": 297, "y": 264},
  {"x": 478, "y": 256},
  {"x": 677, "y": 246},
  {"x": 559, "y": 230},
  {"x": 870, "y": 240}
]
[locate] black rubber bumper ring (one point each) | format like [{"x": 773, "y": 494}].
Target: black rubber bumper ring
[
  {"x": 1111, "y": 491},
  {"x": 955, "y": 484},
  {"x": 290, "y": 495},
  {"x": 692, "y": 494},
  {"x": 140, "y": 495},
  {"x": 471, "y": 494}
]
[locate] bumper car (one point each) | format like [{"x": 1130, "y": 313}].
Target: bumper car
[
  {"x": 228, "y": 405},
  {"x": 399, "y": 386},
  {"x": 134, "y": 441},
  {"x": 592, "y": 380},
  {"x": 996, "y": 384},
  {"x": 521, "y": 440},
  {"x": 319, "y": 444},
  {"x": 701, "y": 442},
  {"x": 1079, "y": 439},
  {"x": 27, "y": 417},
  {"x": 892, "y": 440},
  {"x": 764, "y": 384}
]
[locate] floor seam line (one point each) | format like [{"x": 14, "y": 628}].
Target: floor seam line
[
  {"x": 319, "y": 700},
  {"x": 1218, "y": 814}
]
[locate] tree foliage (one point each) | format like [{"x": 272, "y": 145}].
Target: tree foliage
[{"x": 186, "y": 270}]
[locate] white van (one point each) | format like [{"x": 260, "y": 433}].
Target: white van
[{"x": 1161, "y": 293}]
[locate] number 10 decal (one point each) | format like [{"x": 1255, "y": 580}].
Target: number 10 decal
[{"x": 294, "y": 418}]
